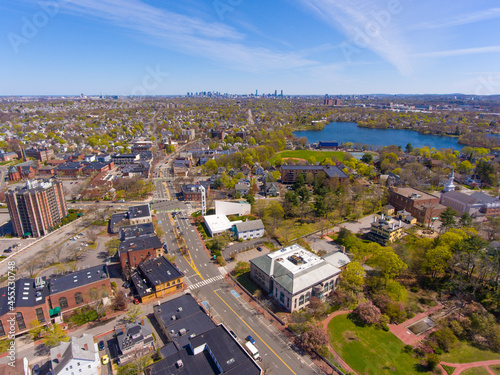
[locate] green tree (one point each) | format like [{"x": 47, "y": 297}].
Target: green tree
[
  {"x": 465, "y": 220},
  {"x": 54, "y": 335},
  {"x": 367, "y": 158},
  {"x": 112, "y": 246},
  {"x": 437, "y": 259},
  {"x": 388, "y": 263},
  {"x": 409, "y": 148},
  {"x": 353, "y": 275},
  {"x": 447, "y": 218},
  {"x": 133, "y": 313}
]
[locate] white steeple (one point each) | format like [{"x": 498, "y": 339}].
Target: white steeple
[{"x": 449, "y": 186}]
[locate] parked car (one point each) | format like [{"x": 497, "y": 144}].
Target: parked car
[
  {"x": 250, "y": 338},
  {"x": 9, "y": 250},
  {"x": 105, "y": 359},
  {"x": 233, "y": 334},
  {"x": 101, "y": 345},
  {"x": 259, "y": 248}
]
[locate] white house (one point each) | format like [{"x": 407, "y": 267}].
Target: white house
[
  {"x": 251, "y": 229},
  {"x": 78, "y": 356}
]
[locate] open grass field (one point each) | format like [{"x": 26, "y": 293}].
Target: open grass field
[
  {"x": 476, "y": 371},
  {"x": 465, "y": 353},
  {"x": 306, "y": 154},
  {"x": 370, "y": 351},
  {"x": 295, "y": 229}
]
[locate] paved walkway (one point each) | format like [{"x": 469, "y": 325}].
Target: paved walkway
[
  {"x": 459, "y": 367},
  {"x": 344, "y": 365},
  {"x": 404, "y": 334}
]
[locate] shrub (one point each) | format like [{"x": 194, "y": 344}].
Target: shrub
[
  {"x": 408, "y": 349},
  {"x": 396, "y": 312},
  {"x": 113, "y": 285},
  {"x": 432, "y": 361},
  {"x": 444, "y": 338},
  {"x": 415, "y": 289}
]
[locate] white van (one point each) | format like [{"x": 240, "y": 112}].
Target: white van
[{"x": 252, "y": 350}]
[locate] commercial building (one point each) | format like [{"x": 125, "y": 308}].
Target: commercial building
[
  {"x": 156, "y": 278},
  {"x": 78, "y": 356},
  {"x": 476, "y": 204},
  {"x": 385, "y": 230},
  {"x": 42, "y": 154},
  {"x": 77, "y": 289},
  {"x": 293, "y": 275},
  {"x": 8, "y": 156},
  {"x": 217, "y": 224},
  {"x": 193, "y": 192},
  {"x": 196, "y": 345},
  {"x": 36, "y": 208},
  {"x": 422, "y": 206},
  {"x": 30, "y": 296},
  {"x": 250, "y": 229},
  {"x": 139, "y": 214},
  {"x": 133, "y": 251},
  {"x": 239, "y": 208},
  {"x": 134, "y": 231}
]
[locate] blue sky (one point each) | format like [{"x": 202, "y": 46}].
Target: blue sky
[{"x": 166, "y": 47}]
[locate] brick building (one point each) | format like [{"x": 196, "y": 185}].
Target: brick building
[
  {"x": 290, "y": 173},
  {"x": 193, "y": 192},
  {"x": 37, "y": 207},
  {"x": 42, "y": 154},
  {"x": 134, "y": 251},
  {"x": 30, "y": 305},
  {"x": 75, "y": 289},
  {"x": 422, "y": 206}
]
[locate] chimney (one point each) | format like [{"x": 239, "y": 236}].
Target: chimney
[
  {"x": 400, "y": 225},
  {"x": 342, "y": 248},
  {"x": 271, "y": 269},
  {"x": 59, "y": 357},
  {"x": 142, "y": 322},
  {"x": 86, "y": 347},
  {"x": 124, "y": 330}
]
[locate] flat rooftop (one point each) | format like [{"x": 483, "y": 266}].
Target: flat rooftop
[
  {"x": 217, "y": 223},
  {"x": 414, "y": 193},
  {"x": 295, "y": 258}
]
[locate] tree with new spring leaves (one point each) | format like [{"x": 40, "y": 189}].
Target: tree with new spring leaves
[
  {"x": 54, "y": 335},
  {"x": 388, "y": 263}
]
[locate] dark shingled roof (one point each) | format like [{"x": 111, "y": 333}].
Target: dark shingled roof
[
  {"x": 142, "y": 210},
  {"x": 150, "y": 241},
  {"x": 26, "y": 295},
  {"x": 77, "y": 279}
]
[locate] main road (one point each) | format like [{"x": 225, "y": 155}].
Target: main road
[{"x": 206, "y": 281}]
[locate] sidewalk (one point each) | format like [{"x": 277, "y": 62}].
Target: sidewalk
[
  {"x": 459, "y": 367},
  {"x": 344, "y": 365}
]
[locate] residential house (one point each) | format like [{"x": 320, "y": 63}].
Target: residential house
[
  {"x": 251, "y": 229},
  {"x": 78, "y": 356},
  {"x": 271, "y": 189},
  {"x": 242, "y": 188},
  {"x": 134, "y": 340}
]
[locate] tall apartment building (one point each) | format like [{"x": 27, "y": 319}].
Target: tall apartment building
[{"x": 36, "y": 207}]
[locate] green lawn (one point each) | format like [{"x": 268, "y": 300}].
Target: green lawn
[
  {"x": 449, "y": 370},
  {"x": 244, "y": 280},
  {"x": 476, "y": 371},
  {"x": 465, "y": 353},
  {"x": 306, "y": 154},
  {"x": 369, "y": 350},
  {"x": 495, "y": 369},
  {"x": 295, "y": 229}
]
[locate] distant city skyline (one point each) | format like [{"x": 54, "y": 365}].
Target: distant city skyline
[{"x": 303, "y": 47}]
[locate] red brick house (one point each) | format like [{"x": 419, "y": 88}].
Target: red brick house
[{"x": 134, "y": 251}]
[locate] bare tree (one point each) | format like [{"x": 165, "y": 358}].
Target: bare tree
[
  {"x": 92, "y": 234},
  {"x": 32, "y": 267},
  {"x": 96, "y": 297},
  {"x": 58, "y": 253}
]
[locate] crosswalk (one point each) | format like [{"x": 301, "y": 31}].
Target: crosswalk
[{"x": 205, "y": 282}]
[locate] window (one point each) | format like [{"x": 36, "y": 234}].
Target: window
[
  {"x": 2, "y": 331},
  {"x": 308, "y": 296},
  {"x": 295, "y": 303},
  {"x": 63, "y": 303},
  {"x": 20, "y": 321},
  {"x": 282, "y": 297},
  {"x": 301, "y": 300},
  {"x": 39, "y": 315},
  {"x": 78, "y": 298}
]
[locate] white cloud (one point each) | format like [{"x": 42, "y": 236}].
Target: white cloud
[
  {"x": 460, "y": 52},
  {"x": 371, "y": 25},
  {"x": 459, "y": 20},
  {"x": 212, "y": 40}
]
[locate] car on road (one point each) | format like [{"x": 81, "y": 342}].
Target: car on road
[
  {"x": 101, "y": 345},
  {"x": 105, "y": 359},
  {"x": 233, "y": 334},
  {"x": 250, "y": 338},
  {"x": 175, "y": 265},
  {"x": 9, "y": 250}
]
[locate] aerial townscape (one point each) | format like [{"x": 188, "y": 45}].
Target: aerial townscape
[{"x": 148, "y": 227}]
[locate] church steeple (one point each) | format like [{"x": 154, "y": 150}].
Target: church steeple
[{"x": 449, "y": 186}]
